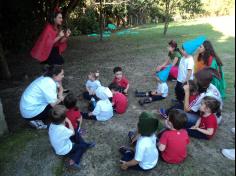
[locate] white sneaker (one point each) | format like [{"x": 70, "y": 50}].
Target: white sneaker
[
  {"x": 41, "y": 124},
  {"x": 219, "y": 120},
  {"x": 233, "y": 130},
  {"x": 229, "y": 153},
  {"x": 38, "y": 124}
]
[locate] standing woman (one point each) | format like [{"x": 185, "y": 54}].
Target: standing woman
[
  {"x": 41, "y": 95},
  {"x": 52, "y": 42},
  {"x": 207, "y": 57}
]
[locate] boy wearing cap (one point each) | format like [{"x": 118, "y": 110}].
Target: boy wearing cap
[
  {"x": 159, "y": 94},
  {"x": 146, "y": 154},
  {"x": 186, "y": 66}
]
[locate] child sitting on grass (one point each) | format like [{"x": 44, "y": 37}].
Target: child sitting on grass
[
  {"x": 145, "y": 157},
  {"x": 60, "y": 137},
  {"x": 91, "y": 86},
  {"x": 103, "y": 110},
  {"x": 159, "y": 94},
  {"x": 173, "y": 142},
  {"x": 206, "y": 125},
  {"x": 73, "y": 113},
  {"x": 119, "y": 101},
  {"x": 193, "y": 93},
  {"x": 121, "y": 80}
]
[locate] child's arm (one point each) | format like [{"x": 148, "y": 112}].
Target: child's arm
[
  {"x": 196, "y": 125},
  {"x": 80, "y": 120},
  {"x": 190, "y": 71},
  {"x": 175, "y": 61},
  {"x": 167, "y": 61},
  {"x": 125, "y": 165},
  {"x": 127, "y": 89},
  {"x": 135, "y": 138},
  {"x": 208, "y": 131},
  {"x": 161, "y": 147},
  {"x": 70, "y": 125},
  {"x": 186, "y": 98}
]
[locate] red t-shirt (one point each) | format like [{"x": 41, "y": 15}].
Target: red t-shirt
[
  {"x": 120, "y": 102},
  {"x": 73, "y": 115},
  {"x": 176, "y": 146},
  {"x": 122, "y": 83},
  {"x": 209, "y": 122}
]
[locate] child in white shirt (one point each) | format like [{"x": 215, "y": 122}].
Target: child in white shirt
[
  {"x": 103, "y": 110},
  {"x": 186, "y": 66},
  {"x": 91, "y": 86},
  {"x": 60, "y": 137},
  {"x": 159, "y": 94},
  {"x": 146, "y": 154}
]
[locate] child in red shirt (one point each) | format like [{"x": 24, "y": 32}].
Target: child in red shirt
[
  {"x": 206, "y": 126},
  {"x": 173, "y": 142},
  {"x": 119, "y": 101},
  {"x": 121, "y": 80},
  {"x": 73, "y": 113}
]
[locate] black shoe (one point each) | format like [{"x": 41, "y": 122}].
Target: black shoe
[
  {"x": 144, "y": 101},
  {"x": 65, "y": 91},
  {"x": 140, "y": 94}
]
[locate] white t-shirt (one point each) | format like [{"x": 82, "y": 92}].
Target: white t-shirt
[
  {"x": 39, "y": 94},
  {"x": 185, "y": 65},
  {"x": 59, "y": 136},
  {"x": 103, "y": 110},
  {"x": 212, "y": 91},
  {"x": 163, "y": 89},
  {"x": 146, "y": 152},
  {"x": 93, "y": 85}
]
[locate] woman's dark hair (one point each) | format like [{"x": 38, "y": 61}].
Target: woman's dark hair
[
  {"x": 212, "y": 104},
  {"x": 114, "y": 86},
  {"x": 193, "y": 86},
  {"x": 52, "y": 17},
  {"x": 174, "y": 45},
  {"x": 117, "y": 69},
  {"x": 70, "y": 101},
  {"x": 58, "y": 114},
  {"x": 204, "y": 78},
  {"x": 178, "y": 119},
  {"x": 209, "y": 51},
  {"x": 52, "y": 70}
]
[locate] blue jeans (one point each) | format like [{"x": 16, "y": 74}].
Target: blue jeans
[
  {"x": 192, "y": 119},
  {"x": 78, "y": 149}
]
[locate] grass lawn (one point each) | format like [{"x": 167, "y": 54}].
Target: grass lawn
[{"x": 138, "y": 54}]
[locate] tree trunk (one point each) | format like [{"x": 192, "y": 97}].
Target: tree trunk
[
  {"x": 166, "y": 27},
  {"x": 3, "y": 65},
  {"x": 101, "y": 21},
  {"x": 167, "y": 16}
]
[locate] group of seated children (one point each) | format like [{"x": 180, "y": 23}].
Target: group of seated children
[
  {"x": 151, "y": 137},
  {"x": 172, "y": 141}
]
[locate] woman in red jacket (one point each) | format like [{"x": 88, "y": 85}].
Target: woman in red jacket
[{"x": 52, "y": 42}]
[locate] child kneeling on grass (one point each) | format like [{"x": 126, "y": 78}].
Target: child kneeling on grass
[
  {"x": 60, "y": 138},
  {"x": 206, "y": 125},
  {"x": 103, "y": 109},
  {"x": 145, "y": 157},
  {"x": 173, "y": 142},
  {"x": 119, "y": 101},
  {"x": 159, "y": 94}
]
